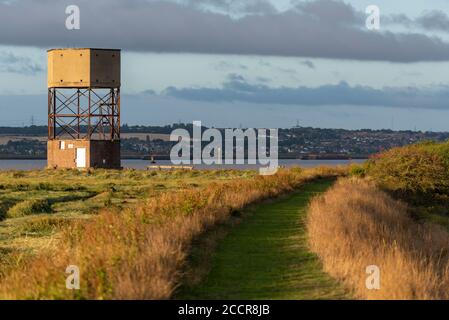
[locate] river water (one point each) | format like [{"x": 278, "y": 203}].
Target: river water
[{"x": 142, "y": 164}]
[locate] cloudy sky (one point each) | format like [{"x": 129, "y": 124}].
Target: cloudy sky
[{"x": 251, "y": 63}]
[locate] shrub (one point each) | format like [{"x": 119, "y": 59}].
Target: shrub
[
  {"x": 420, "y": 171},
  {"x": 29, "y": 207},
  {"x": 357, "y": 170}
]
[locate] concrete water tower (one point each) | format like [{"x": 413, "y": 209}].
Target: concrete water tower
[{"x": 83, "y": 108}]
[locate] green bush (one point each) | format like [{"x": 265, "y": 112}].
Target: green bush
[
  {"x": 29, "y": 207},
  {"x": 420, "y": 171},
  {"x": 357, "y": 170}
]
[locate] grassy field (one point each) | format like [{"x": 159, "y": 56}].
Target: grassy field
[
  {"x": 128, "y": 231},
  {"x": 265, "y": 256},
  {"x": 36, "y": 205},
  {"x": 229, "y": 234}
]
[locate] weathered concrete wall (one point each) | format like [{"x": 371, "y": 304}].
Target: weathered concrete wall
[
  {"x": 83, "y": 68},
  {"x": 105, "y": 68},
  {"x": 105, "y": 154},
  {"x": 99, "y": 154},
  {"x": 62, "y": 153}
]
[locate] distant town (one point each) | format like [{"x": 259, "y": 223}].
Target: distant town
[{"x": 143, "y": 142}]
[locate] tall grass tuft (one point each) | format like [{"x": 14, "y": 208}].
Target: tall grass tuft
[
  {"x": 355, "y": 225},
  {"x": 29, "y": 207}
]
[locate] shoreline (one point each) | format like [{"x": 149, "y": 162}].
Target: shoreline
[{"x": 167, "y": 158}]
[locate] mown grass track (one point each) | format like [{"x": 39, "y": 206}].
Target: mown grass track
[{"x": 266, "y": 256}]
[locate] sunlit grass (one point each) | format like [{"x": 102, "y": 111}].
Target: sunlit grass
[
  {"x": 355, "y": 225},
  {"x": 66, "y": 196},
  {"x": 136, "y": 247}
]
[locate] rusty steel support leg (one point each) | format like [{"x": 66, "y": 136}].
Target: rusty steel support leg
[
  {"x": 88, "y": 117},
  {"x": 111, "y": 117},
  {"x": 78, "y": 110},
  {"x": 49, "y": 126},
  {"x": 54, "y": 113},
  {"x": 118, "y": 113}
]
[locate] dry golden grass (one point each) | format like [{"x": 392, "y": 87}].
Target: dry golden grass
[
  {"x": 138, "y": 253},
  {"x": 355, "y": 224},
  {"x": 69, "y": 195}
]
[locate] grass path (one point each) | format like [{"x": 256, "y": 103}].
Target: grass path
[{"x": 266, "y": 256}]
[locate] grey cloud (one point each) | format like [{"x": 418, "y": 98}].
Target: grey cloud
[
  {"x": 264, "y": 63},
  {"x": 149, "y": 92},
  {"x": 237, "y": 90},
  {"x": 434, "y": 20},
  {"x": 287, "y": 70},
  {"x": 12, "y": 63},
  {"x": 309, "y": 64},
  {"x": 400, "y": 19},
  {"x": 226, "y": 65},
  {"x": 331, "y": 12},
  {"x": 238, "y": 7},
  {"x": 234, "y": 77},
  {"x": 322, "y": 29},
  {"x": 263, "y": 79}
]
